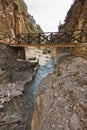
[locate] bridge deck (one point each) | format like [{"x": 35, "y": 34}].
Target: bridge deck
[{"x": 59, "y": 45}]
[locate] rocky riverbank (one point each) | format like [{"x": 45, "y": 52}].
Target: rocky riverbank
[{"x": 61, "y": 100}]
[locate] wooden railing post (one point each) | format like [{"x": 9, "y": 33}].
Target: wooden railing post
[
  {"x": 39, "y": 38},
  {"x": 65, "y": 37},
  {"x": 85, "y": 36},
  {"x": 81, "y": 32},
  {"x": 18, "y": 40},
  {"x": 51, "y": 37},
  {"x": 28, "y": 36},
  {"x": 9, "y": 42}
]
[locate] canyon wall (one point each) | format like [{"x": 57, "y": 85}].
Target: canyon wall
[
  {"x": 15, "y": 19},
  {"x": 76, "y": 17}
]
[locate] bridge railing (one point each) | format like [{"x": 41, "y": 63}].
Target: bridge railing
[{"x": 68, "y": 36}]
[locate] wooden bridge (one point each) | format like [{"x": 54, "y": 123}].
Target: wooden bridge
[{"x": 67, "y": 38}]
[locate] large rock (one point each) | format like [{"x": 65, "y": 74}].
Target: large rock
[
  {"x": 61, "y": 101},
  {"x": 74, "y": 122}
]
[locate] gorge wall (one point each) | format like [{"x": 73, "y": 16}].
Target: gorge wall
[
  {"x": 77, "y": 16},
  {"x": 15, "y": 19}
]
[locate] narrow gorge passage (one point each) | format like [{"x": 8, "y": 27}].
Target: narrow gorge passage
[{"x": 19, "y": 110}]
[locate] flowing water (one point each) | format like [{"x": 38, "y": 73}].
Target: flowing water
[{"x": 19, "y": 110}]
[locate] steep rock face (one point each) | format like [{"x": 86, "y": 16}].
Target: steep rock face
[
  {"x": 76, "y": 16},
  {"x": 61, "y": 101},
  {"x": 15, "y": 19}
]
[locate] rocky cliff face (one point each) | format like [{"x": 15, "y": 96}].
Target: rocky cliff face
[
  {"x": 15, "y": 19},
  {"x": 61, "y": 101},
  {"x": 77, "y": 16}
]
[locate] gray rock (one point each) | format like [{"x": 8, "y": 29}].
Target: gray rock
[{"x": 74, "y": 122}]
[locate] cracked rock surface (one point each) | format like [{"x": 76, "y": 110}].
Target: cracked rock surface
[{"x": 61, "y": 100}]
